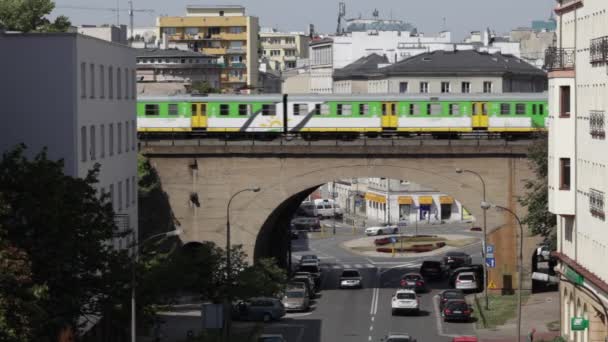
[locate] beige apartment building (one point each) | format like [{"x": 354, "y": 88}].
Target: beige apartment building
[
  {"x": 283, "y": 49},
  {"x": 578, "y": 165},
  {"x": 224, "y": 31}
]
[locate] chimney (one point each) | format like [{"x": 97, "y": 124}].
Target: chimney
[{"x": 165, "y": 42}]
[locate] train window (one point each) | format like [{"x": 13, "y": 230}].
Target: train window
[
  {"x": 193, "y": 109},
  {"x": 454, "y": 109},
  {"x": 244, "y": 109},
  {"x": 534, "y": 109},
  {"x": 203, "y": 109},
  {"x": 300, "y": 108},
  {"x": 433, "y": 108},
  {"x": 345, "y": 109},
  {"x": 224, "y": 109},
  {"x": 269, "y": 109},
  {"x": 384, "y": 109},
  {"x": 414, "y": 109},
  {"x": 505, "y": 108},
  {"x": 541, "y": 109},
  {"x": 173, "y": 109},
  {"x": 363, "y": 109},
  {"x": 484, "y": 108},
  {"x": 151, "y": 109},
  {"x": 520, "y": 108}
]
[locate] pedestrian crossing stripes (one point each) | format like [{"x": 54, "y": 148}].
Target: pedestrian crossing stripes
[{"x": 348, "y": 266}]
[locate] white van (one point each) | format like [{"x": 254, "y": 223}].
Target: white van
[{"x": 325, "y": 208}]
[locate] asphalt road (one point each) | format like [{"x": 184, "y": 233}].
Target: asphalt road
[{"x": 361, "y": 315}]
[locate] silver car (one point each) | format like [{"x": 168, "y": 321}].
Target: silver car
[
  {"x": 261, "y": 309},
  {"x": 296, "y": 300}
]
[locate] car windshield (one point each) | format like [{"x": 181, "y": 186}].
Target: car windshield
[
  {"x": 455, "y": 254},
  {"x": 294, "y": 294},
  {"x": 309, "y": 257},
  {"x": 411, "y": 277},
  {"x": 350, "y": 274},
  {"x": 431, "y": 264},
  {"x": 310, "y": 268},
  {"x": 466, "y": 277},
  {"x": 453, "y": 294},
  {"x": 458, "y": 306},
  {"x": 406, "y": 296}
]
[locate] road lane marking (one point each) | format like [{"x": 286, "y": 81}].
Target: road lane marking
[
  {"x": 435, "y": 301},
  {"x": 374, "y": 307},
  {"x": 346, "y": 266},
  {"x": 369, "y": 338},
  {"x": 369, "y": 266},
  {"x": 371, "y": 328},
  {"x": 373, "y": 318},
  {"x": 358, "y": 266},
  {"x": 377, "y": 299}
]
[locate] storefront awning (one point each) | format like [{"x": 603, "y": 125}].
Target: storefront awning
[
  {"x": 375, "y": 197},
  {"x": 446, "y": 200},
  {"x": 425, "y": 200},
  {"x": 405, "y": 200}
]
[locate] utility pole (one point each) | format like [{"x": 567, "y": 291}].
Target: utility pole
[
  {"x": 388, "y": 201},
  {"x": 333, "y": 205},
  {"x": 118, "y": 13},
  {"x": 130, "y": 39}
]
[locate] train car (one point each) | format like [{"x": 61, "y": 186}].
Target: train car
[{"x": 345, "y": 114}]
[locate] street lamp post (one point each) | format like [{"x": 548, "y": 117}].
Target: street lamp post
[
  {"x": 485, "y": 206},
  {"x": 485, "y": 232},
  {"x": 136, "y": 247},
  {"x": 227, "y": 313}
]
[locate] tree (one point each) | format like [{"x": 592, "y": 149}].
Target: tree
[
  {"x": 203, "y": 87},
  {"x": 539, "y": 219},
  {"x": 264, "y": 278},
  {"x": 58, "y": 230},
  {"x": 29, "y": 16}
]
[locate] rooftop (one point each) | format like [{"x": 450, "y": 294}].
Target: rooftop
[
  {"x": 362, "y": 67},
  {"x": 215, "y": 6},
  {"x": 321, "y": 41}
]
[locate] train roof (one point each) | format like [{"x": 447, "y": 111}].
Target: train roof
[{"x": 349, "y": 97}]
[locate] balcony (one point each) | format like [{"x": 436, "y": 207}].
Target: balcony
[
  {"x": 237, "y": 65},
  {"x": 597, "y": 124},
  {"x": 290, "y": 58},
  {"x": 214, "y": 51},
  {"x": 564, "y": 6},
  {"x": 236, "y": 50},
  {"x": 559, "y": 59},
  {"x": 598, "y": 50}
]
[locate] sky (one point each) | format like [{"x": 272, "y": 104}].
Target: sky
[{"x": 461, "y": 16}]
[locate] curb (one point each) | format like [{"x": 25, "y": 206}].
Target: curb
[{"x": 481, "y": 315}]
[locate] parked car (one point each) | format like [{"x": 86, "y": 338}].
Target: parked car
[
  {"x": 260, "y": 309},
  {"x": 457, "y": 259},
  {"x": 296, "y": 300},
  {"x": 313, "y": 268},
  {"x": 457, "y": 311},
  {"x": 351, "y": 278},
  {"x": 309, "y": 257},
  {"x": 306, "y": 209},
  {"x": 466, "y": 281},
  {"x": 432, "y": 269},
  {"x": 413, "y": 281},
  {"x": 381, "y": 230},
  {"x": 476, "y": 268},
  {"x": 308, "y": 282},
  {"x": 465, "y": 339},
  {"x": 449, "y": 295},
  {"x": 298, "y": 285},
  {"x": 271, "y": 338},
  {"x": 326, "y": 208},
  {"x": 398, "y": 337},
  {"x": 294, "y": 234},
  {"x": 405, "y": 300},
  {"x": 306, "y": 223}
]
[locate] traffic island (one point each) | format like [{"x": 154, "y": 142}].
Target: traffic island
[{"x": 405, "y": 245}]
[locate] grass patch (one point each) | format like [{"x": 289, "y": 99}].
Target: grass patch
[
  {"x": 502, "y": 309},
  {"x": 461, "y": 242}
]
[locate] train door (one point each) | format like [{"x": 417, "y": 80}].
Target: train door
[
  {"x": 199, "y": 116},
  {"x": 389, "y": 115},
  {"x": 479, "y": 115}
]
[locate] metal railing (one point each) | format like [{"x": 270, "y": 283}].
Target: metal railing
[
  {"x": 598, "y": 50},
  {"x": 559, "y": 59}
]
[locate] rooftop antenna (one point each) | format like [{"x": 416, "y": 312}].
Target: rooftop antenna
[
  {"x": 118, "y": 13},
  {"x": 444, "y": 25},
  {"x": 376, "y": 13},
  {"x": 341, "y": 14}
]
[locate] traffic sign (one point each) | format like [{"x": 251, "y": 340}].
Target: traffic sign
[
  {"x": 489, "y": 249},
  {"x": 491, "y": 262},
  {"x": 491, "y": 285}
]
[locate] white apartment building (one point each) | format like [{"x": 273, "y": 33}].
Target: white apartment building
[
  {"x": 321, "y": 66},
  {"x": 110, "y": 33},
  {"x": 283, "y": 49},
  {"x": 578, "y": 165},
  {"x": 78, "y": 100}
]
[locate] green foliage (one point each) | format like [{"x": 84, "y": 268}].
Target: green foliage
[
  {"x": 203, "y": 87},
  {"x": 29, "y": 16},
  {"x": 264, "y": 278},
  {"x": 147, "y": 175},
  {"x": 55, "y": 231},
  {"x": 539, "y": 219}
]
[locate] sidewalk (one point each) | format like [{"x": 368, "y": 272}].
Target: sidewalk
[{"x": 537, "y": 312}]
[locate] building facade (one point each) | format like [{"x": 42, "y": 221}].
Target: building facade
[
  {"x": 283, "y": 49},
  {"x": 321, "y": 66},
  {"x": 110, "y": 33},
  {"x": 82, "y": 110},
  {"x": 223, "y": 31},
  {"x": 578, "y": 169}
]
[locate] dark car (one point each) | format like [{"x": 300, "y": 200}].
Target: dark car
[
  {"x": 413, "y": 281},
  {"x": 457, "y": 259},
  {"x": 477, "y": 269},
  {"x": 432, "y": 269},
  {"x": 309, "y": 257},
  {"x": 294, "y": 234},
  {"x": 449, "y": 295},
  {"x": 306, "y": 223},
  {"x": 457, "y": 311},
  {"x": 306, "y": 209},
  {"x": 313, "y": 269}
]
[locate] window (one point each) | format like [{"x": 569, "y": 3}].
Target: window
[
  {"x": 597, "y": 124},
  {"x": 110, "y": 83},
  {"x": 102, "y": 82},
  {"x": 112, "y": 195},
  {"x": 569, "y": 227},
  {"x": 345, "y": 109},
  {"x": 83, "y": 80},
  {"x": 169, "y": 30},
  {"x": 134, "y": 128},
  {"x": 92, "y": 80},
  {"x": 363, "y": 109},
  {"x": 454, "y": 109},
  {"x": 83, "y": 143},
  {"x": 322, "y": 109},
  {"x": 269, "y": 109},
  {"x": 119, "y": 134},
  {"x": 102, "y": 133},
  {"x": 134, "y": 185},
  {"x": 111, "y": 139},
  {"x": 541, "y": 109},
  {"x": 414, "y": 109},
  {"x": 403, "y": 87},
  {"x": 534, "y": 109},
  {"x": 224, "y": 109},
  {"x": 127, "y": 193},
  {"x": 92, "y": 151},
  {"x": 433, "y": 108},
  {"x": 221, "y": 13},
  {"x": 424, "y": 87},
  {"x": 119, "y": 196},
  {"x": 127, "y": 134},
  {"x": 191, "y": 30},
  {"x": 564, "y": 101},
  {"x": 487, "y": 87},
  {"x": 127, "y": 75},
  {"x": 445, "y": 87},
  {"x": 300, "y": 109},
  {"x": 564, "y": 168},
  {"x": 173, "y": 109},
  {"x": 505, "y": 108},
  {"x": 465, "y": 87},
  {"x": 118, "y": 83},
  {"x": 244, "y": 109},
  {"x": 520, "y": 108},
  {"x": 596, "y": 203},
  {"x": 151, "y": 109},
  {"x": 133, "y": 85}
]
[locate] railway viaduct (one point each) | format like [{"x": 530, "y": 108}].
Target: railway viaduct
[{"x": 200, "y": 175}]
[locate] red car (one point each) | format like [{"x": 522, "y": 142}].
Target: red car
[
  {"x": 465, "y": 339},
  {"x": 413, "y": 281}
]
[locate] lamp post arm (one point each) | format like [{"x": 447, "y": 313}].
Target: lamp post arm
[{"x": 483, "y": 183}]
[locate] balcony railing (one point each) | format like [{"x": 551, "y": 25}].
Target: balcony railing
[
  {"x": 236, "y": 50},
  {"x": 559, "y": 59},
  {"x": 598, "y": 50},
  {"x": 597, "y": 124}
]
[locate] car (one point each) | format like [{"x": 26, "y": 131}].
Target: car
[
  {"x": 413, "y": 281},
  {"x": 405, "y": 300},
  {"x": 271, "y": 338},
  {"x": 296, "y": 300},
  {"x": 308, "y": 282},
  {"x": 351, "y": 278},
  {"x": 449, "y": 295},
  {"x": 381, "y": 230},
  {"x": 543, "y": 253},
  {"x": 476, "y": 268},
  {"x": 309, "y": 257},
  {"x": 311, "y": 278},
  {"x": 264, "y": 309},
  {"x": 466, "y": 281},
  {"x": 457, "y": 259},
  {"x": 307, "y": 209},
  {"x": 306, "y": 223},
  {"x": 398, "y": 337},
  {"x": 457, "y": 310},
  {"x": 313, "y": 268},
  {"x": 432, "y": 269}
]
